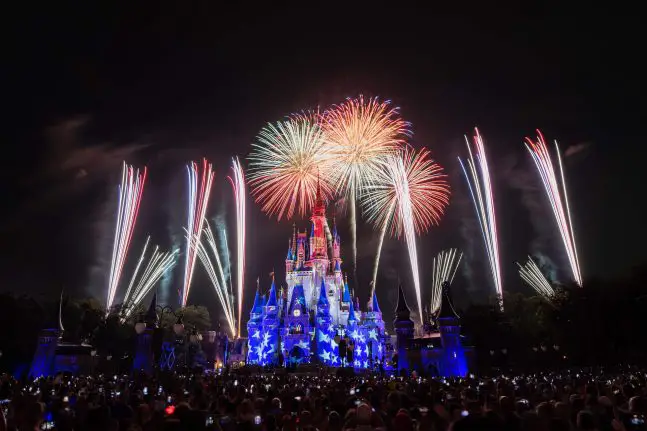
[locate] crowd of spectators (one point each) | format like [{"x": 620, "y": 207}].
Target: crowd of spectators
[{"x": 573, "y": 400}]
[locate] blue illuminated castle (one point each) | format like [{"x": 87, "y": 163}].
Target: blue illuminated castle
[{"x": 315, "y": 319}]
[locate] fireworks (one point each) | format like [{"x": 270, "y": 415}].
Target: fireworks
[
  {"x": 217, "y": 275},
  {"x": 238, "y": 184},
  {"x": 397, "y": 171},
  {"x": 360, "y": 134},
  {"x": 532, "y": 275},
  {"x": 199, "y": 191},
  {"x": 445, "y": 265},
  {"x": 541, "y": 156},
  {"x": 428, "y": 194},
  {"x": 285, "y": 164},
  {"x": 158, "y": 264},
  {"x": 478, "y": 179},
  {"x": 130, "y": 195}
]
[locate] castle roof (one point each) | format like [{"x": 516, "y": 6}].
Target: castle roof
[
  {"x": 298, "y": 300},
  {"x": 257, "y": 308},
  {"x": 337, "y": 266},
  {"x": 289, "y": 255},
  {"x": 271, "y": 301},
  {"x": 446, "y": 307},
  {"x": 345, "y": 297},
  {"x": 351, "y": 313},
  {"x": 402, "y": 311},
  {"x": 151, "y": 314},
  {"x": 323, "y": 297},
  {"x": 376, "y": 306}
]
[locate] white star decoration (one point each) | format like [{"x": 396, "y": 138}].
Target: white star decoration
[{"x": 372, "y": 334}]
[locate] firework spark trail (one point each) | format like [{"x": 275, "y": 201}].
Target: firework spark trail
[
  {"x": 445, "y": 265},
  {"x": 216, "y": 275},
  {"x": 158, "y": 265},
  {"x": 130, "y": 195},
  {"x": 428, "y": 194},
  {"x": 360, "y": 133},
  {"x": 405, "y": 213},
  {"x": 479, "y": 182},
  {"x": 199, "y": 192},
  {"x": 238, "y": 184},
  {"x": 285, "y": 163},
  {"x": 136, "y": 272},
  {"x": 532, "y": 275},
  {"x": 541, "y": 156},
  {"x": 380, "y": 242}
]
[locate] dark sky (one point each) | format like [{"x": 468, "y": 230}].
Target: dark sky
[{"x": 88, "y": 86}]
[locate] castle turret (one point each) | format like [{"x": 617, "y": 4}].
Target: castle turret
[
  {"x": 403, "y": 329},
  {"x": 455, "y": 363}
]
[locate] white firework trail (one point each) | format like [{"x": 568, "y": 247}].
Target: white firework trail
[
  {"x": 532, "y": 275},
  {"x": 216, "y": 274},
  {"x": 199, "y": 192},
  {"x": 157, "y": 266},
  {"x": 130, "y": 195},
  {"x": 444, "y": 268},
  {"x": 561, "y": 209},
  {"x": 238, "y": 184},
  {"x": 479, "y": 182}
]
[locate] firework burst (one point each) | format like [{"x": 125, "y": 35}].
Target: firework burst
[
  {"x": 360, "y": 133},
  {"x": 396, "y": 170},
  {"x": 130, "y": 195},
  {"x": 199, "y": 191},
  {"x": 238, "y": 184},
  {"x": 285, "y": 163},
  {"x": 477, "y": 174},
  {"x": 554, "y": 187},
  {"x": 535, "y": 278},
  {"x": 158, "y": 265},
  {"x": 218, "y": 277},
  {"x": 428, "y": 193},
  {"x": 444, "y": 269}
]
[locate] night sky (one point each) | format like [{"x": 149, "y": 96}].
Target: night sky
[{"x": 89, "y": 86}]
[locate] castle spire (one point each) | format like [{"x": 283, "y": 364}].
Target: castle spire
[
  {"x": 376, "y": 306},
  {"x": 351, "y": 313},
  {"x": 323, "y": 298},
  {"x": 402, "y": 311},
  {"x": 271, "y": 301},
  {"x": 446, "y": 307},
  {"x": 319, "y": 207}
]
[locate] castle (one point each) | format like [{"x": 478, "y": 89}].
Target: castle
[
  {"x": 440, "y": 351},
  {"x": 315, "y": 319}
]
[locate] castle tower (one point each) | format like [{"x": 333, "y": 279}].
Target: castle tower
[
  {"x": 296, "y": 329},
  {"x": 289, "y": 259},
  {"x": 374, "y": 331},
  {"x": 254, "y": 329},
  {"x": 336, "y": 248},
  {"x": 318, "y": 244},
  {"x": 357, "y": 334},
  {"x": 403, "y": 329},
  {"x": 454, "y": 363},
  {"x": 270, "y": 329},
  {"x": 327, "y": 350}
]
